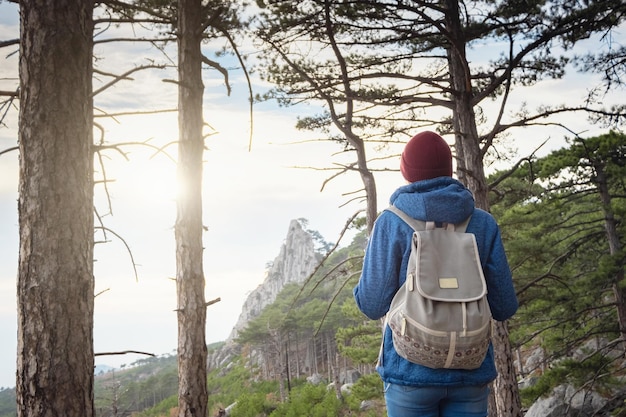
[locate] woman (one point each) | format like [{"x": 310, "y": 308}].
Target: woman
[{"x": 432, "y": 194}]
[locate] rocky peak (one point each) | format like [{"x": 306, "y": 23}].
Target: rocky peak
[{"x": 295, "y": 262}]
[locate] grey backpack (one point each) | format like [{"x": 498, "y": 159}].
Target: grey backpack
[{"x": 440, "y": 317}]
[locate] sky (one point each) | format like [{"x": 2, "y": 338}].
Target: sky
[{"x": 250, "y": 197}]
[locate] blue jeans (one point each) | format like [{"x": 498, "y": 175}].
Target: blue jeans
[{"x": 403, "y": 401}]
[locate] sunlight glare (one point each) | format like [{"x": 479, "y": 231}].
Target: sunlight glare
[{"x": 151, "y": 181}]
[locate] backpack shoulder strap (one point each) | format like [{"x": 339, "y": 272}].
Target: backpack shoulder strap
[
  {"x": 414, "y": 223},
  {"x": 418, "y": 225},
  {"x": 461, "y": 227}
]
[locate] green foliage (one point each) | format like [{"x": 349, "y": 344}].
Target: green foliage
[
  {"x": 575, "y": 372},
  {"x": 253, "y": 404},
  {"x": 557, "y": 215},
  {"x": 230, "y": 385},
  {"x": 235, "y": 383},
  {"x": 309, "y": 401},
  {"x": 361, "y": 341},
  {"x": 162, "y": 409},
  {"x": 253, "y": 397},
  {"x": 368, "y": 387}
]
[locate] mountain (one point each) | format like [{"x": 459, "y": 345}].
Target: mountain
[
  {"x": 102, "y": 369},
  {"x": 295, "y": 262}
]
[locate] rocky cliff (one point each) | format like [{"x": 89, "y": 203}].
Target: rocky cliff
[{"x": 295, "y": 262}]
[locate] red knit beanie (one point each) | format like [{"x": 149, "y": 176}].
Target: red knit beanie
[{"x": 426, "y": 156}]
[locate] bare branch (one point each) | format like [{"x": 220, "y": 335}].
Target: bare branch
[
  {"x": 9, "y": 42},
  {"x": 248, "y": 81},
  {"x": 101, "y": 292},
  {"x": 134, "y": 40},
  {"x": 134, "y": 113},
  {"x": 332, "y": 301},
  {"x": 130, "y": 252},
  {"x": 134, "y": 7},
  {"x": 158, "y": 149},
  {"x": 14, "y": 148},
  {"x": 6, "y": 93},
  {"x": 124, "y": 352},
  {"x": 510, "y": 171},
  {"x": 209, "y": 303},
  {"x": 221, "y": 69},
  {"x": 124, "y": 76}
]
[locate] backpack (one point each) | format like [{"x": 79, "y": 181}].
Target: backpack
[{"x": 440, "y": 317}]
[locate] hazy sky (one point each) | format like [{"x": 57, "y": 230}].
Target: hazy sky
[{"x": 249, "y": 199}]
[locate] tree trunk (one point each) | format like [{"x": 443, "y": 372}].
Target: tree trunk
[
  {"x": 315, "y": 367},
  {"x": 192, "y": 350},
  {"x": 287, "y": 367},
  {"x": 329, "y": 358},
  {"x": 367, "y": 177},
  {"x": 298, "y": 371},
  {"x": 345, "y": 124},
  {"x": 55, "y": 287},
  {"x": 505, "y": 393},
  {"x": 504, "y": 399},
  {"x": 369, "y": 184},
  {"x": 615, "y": 245}
]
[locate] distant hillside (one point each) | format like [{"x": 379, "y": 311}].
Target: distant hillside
[
  {"x": 142, "y": 384},
  {"x": 7, "y": 403}
]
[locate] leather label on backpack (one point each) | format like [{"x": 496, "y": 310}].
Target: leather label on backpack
[{"x": 448, "y": 283}]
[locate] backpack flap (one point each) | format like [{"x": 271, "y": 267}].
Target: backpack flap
[{"x": 446, "y": 275}]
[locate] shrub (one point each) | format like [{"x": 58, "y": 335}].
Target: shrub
[{"x": 309, "y": 401}]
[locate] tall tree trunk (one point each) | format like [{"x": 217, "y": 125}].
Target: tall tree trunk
[
  {"x": 369, "y": 183},
  {"x": 192, "y": 350},
  {"x": 55, "y": 285},
  {"x": 298, "y": 353},
  {"x": 345, "y": 124},
  {"x": 615, "y": 244},
  {"x": 315, "y": 363},
  {"x": 287, "y": 367},
  {"x": 504, "y": 399}
]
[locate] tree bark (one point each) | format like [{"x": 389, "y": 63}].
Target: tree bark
[
  {"x": 55, "y": 285},
  {"x": 504, "y": 399},
  {"x": 615, "y": 244},
  {"x": 190, "y": 283}
]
